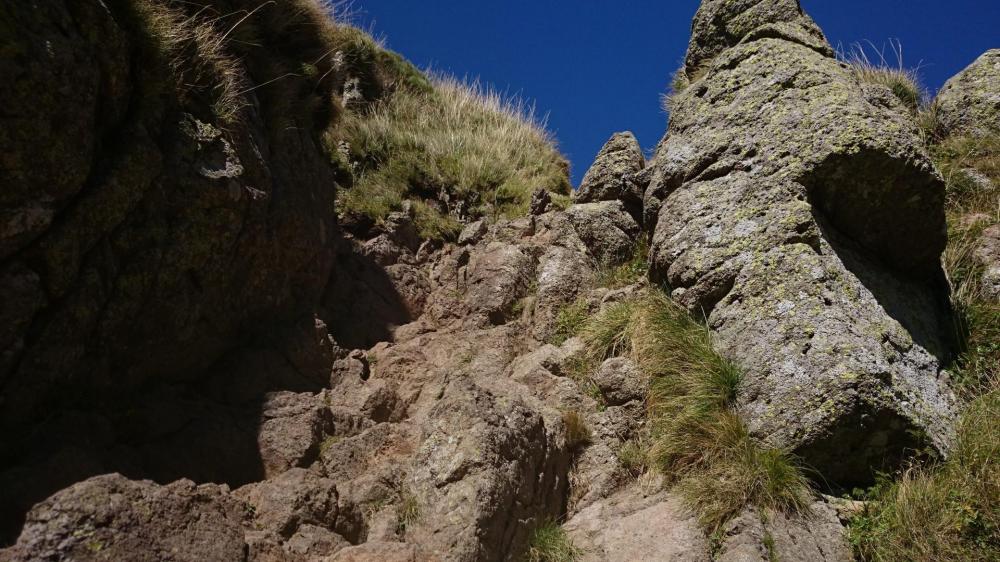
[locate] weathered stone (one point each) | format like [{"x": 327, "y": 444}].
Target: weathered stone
[
  {"x": 969, "y": 103},
  {"x": 818, "y": 536},
  {"x": 473, "y": 232},
  {"x": 807, "y": 224},
  {"x": 620, "y": 381},
  {"x": 172, "y": 238},
  {"x": 722, "y": 24},
  {"x": 612, "y": 175},
  {"x": 609, "y": 233},
  {"x": 541, "y": 201},
  {"x": 487, "y": 464},
  {"x": 987, "y": 253},
  {"x": 113, "y": 518},
  {"x": 633, "y": 525},
  {"x": 292, "y": 426},
  {"x": 297, "y": 497}
]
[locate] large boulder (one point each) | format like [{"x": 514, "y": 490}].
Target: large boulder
[
  {"x": 113, "y": 518},
  {"x": 613, "y": 174},
  {"x": 969, "y": 103},
  {"x": 801, "y": 214}
]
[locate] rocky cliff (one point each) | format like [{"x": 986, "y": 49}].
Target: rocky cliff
[{"x": 255, "y": 310}]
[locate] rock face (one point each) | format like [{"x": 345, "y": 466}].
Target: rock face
[
  {"x": 444, "y": 439},
  {"x": 800, "y": 213},
  {"x": 142, "y": 236},
  {"x": 613, "y": 175},
  {"x": 969, "y": 103}
]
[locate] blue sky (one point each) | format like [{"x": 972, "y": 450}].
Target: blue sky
[{"x": 597, "y": 66}]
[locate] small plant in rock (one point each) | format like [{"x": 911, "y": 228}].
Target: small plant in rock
[
  {"x": 408, "y": 511},
  {"x": 633, "y": 456},
  {"x": 550, "y": 543},
  {"x": 569, "y": 320},
  {"x": 632, "y": 271},
  {"x": 903, "y": 82},
  {"x": 577, "y": 432}
]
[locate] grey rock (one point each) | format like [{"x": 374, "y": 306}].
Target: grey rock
[
  {"x": 807, "y": 224},
  {"x": 969, "y": 103},
  {"x": 473, "y": 232},
  {"x": 612, "y": 175},
  {"x": 292, "y": 426},
  {"x": 722, "y": 24},
  {"x": 620, "y": 381},
  {"x": 541, "y": 202},
  {"x": 818, "y": 536},
  {"x": 607, "y": 230},
  {"x": 987, "y": 253}
]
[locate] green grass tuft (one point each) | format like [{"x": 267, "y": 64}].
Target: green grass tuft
[
  {"x": 462, "y": 149},
  {"x": 632, "y": 271},
  {"x": 550, "y": 543},
  {"x": 695, "y": 438}
]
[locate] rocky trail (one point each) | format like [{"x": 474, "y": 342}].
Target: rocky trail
[{"x": 201, "y": 362}]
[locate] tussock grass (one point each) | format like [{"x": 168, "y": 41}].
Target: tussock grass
[
  {"x": 569, "y": 321},
  {"x": 550, "y": 543},
  {"x": 878, "y": 69},
  {"x": 462, "y": 148},
  {"x": 949, "y": 512},
  {"x": 695, "y": 440}
]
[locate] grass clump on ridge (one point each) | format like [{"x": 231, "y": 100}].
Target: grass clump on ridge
[
  {"x": 550, "y": 543},
  {"x": 903, "y": 82},
  {"x": 695, "y": 438},
  {"x": 462, "y": 149}
]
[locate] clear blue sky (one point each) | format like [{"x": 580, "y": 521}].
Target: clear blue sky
[{"x": 598, "y": 66}]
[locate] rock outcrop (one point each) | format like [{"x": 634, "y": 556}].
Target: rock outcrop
[
  {"x": 799, "y": 212},
  {"x": 443, "y": 439},
  {"x": 969, "y": 103},
  {"x": 614, "y": 175}
]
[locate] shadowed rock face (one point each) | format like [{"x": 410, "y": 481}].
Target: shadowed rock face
[
  {"x": 799, "y": 212},
  {"x": 139, "y": 241},
  {"x": 970, "y": 102}
]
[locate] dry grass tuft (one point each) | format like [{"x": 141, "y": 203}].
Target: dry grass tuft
[
  {"x": 877, "y": 69},
  {"x": 195, "y": 52},
  {"x": 949, "y": 512},
  {"x": 550, "y": 543},
  {"x": 577, "y": 433}
]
